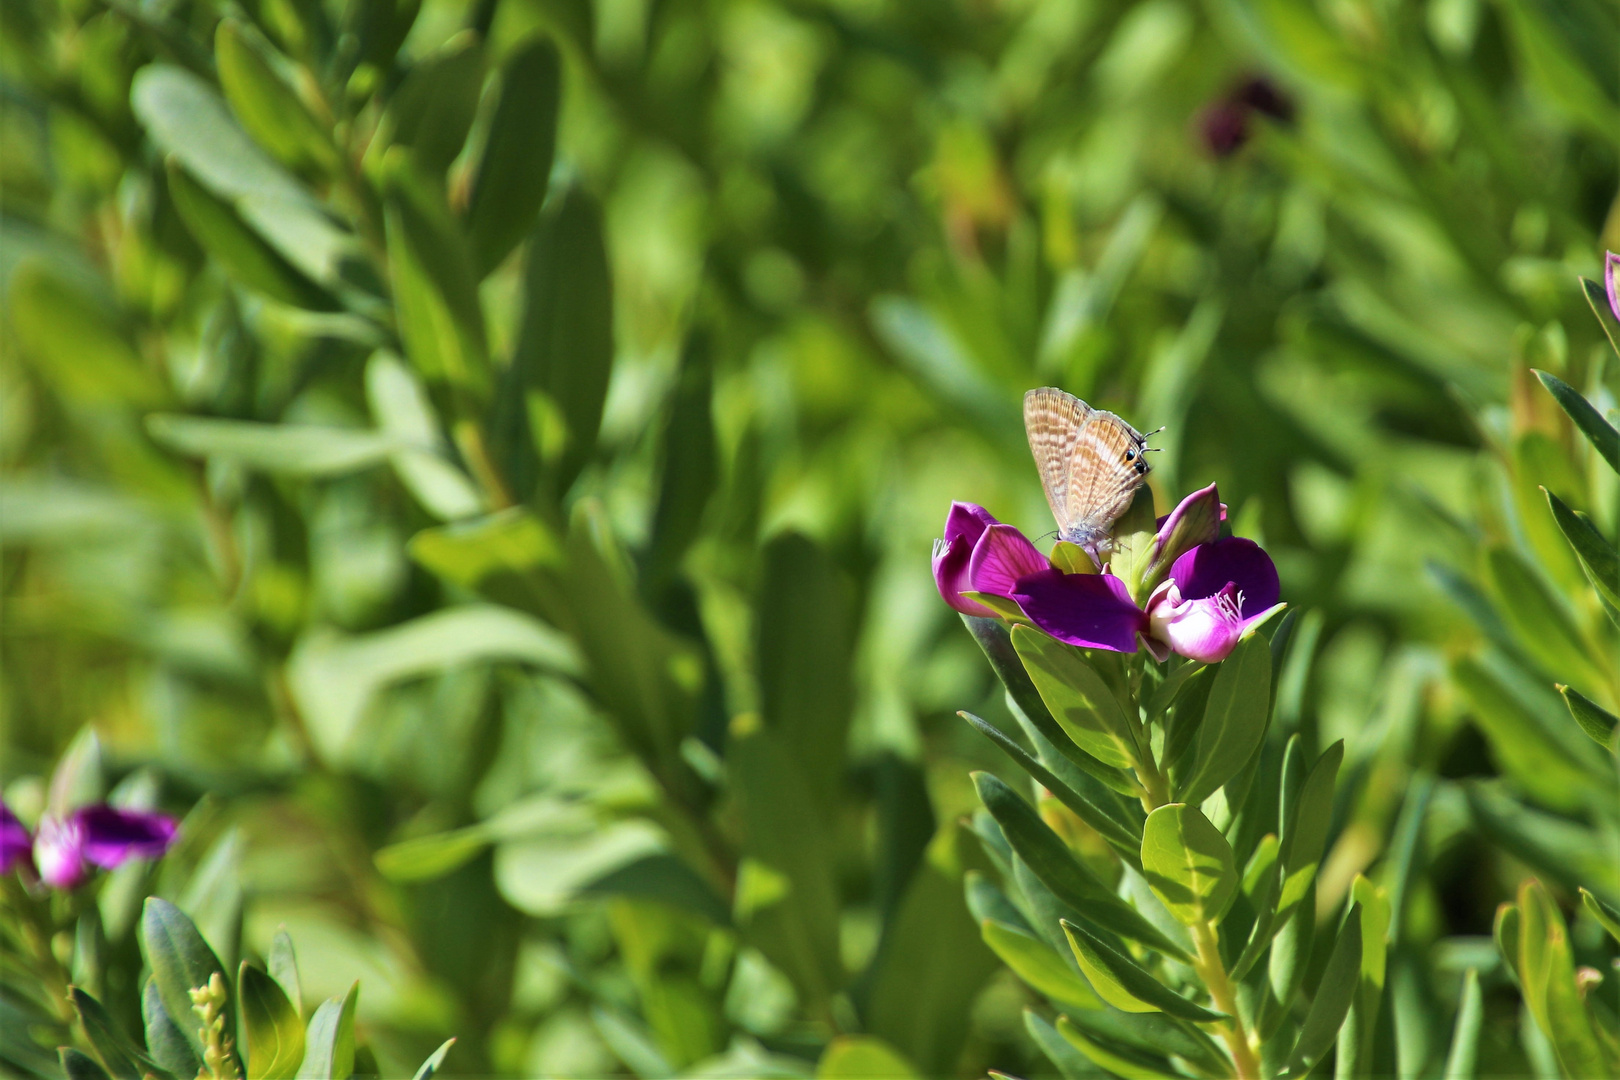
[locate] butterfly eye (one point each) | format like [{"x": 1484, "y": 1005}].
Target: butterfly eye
[{"x": 1130, "y": 455}]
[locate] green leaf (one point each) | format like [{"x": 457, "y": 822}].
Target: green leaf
[
  {"x": 500, "y": 550},
  {"x": 1598, "y": 298},
  {"x": 402, "y": 410},
  {"x": 691, "y": 467},
  {"x": 272, "y": 1030},
  {"x": 1544, "y": 625},
  {"x": 294, "y": 449},
  {"x": 1462, "y": 1060},
  {"x": 1124, "y": 1063},
  {"x": 564, "y": 352},
  {"x": 1599, "y": 431},
  {"x": 77, "y": 1065},
  {"x": 1119, "y": 835},
  {"x": 516, "y": 165},
  {"x": 666, "y": 879},
  {"x": 1607, "y": 915},
  {"x": 334, "y": 676},
  {"x": 1505, "y": 933},
  {"x": 434, "y": 107},
  {"x": 243, "y": 254},
  {"x": 434, "y": 1061},
  {"x": 1355, "y": 1052},
  {"x": 542, "y": 874},
  {"x": 121, "y": 1061},
  {"x": 180, "y": 961},
  {"x": 283, "y": 964},
  {"x": 1598, "y": 723},
  {"x": 1153, "y": 1034},
  {"x": 1547, "y": 973},
  {"x": 862, "y": 1057},
  {"x": 76, "y": 340},
  {"x": 1334, "y": 994},
  {"x": 435, "y": 290},
  {"x": 266, "y": 106},
  {"x": 1234, "y": 719},
  {"x": 1556, "y": 766},
  {"x": 329, "y": 1041},
  {"x": 1120, "y": 981},
  {"x": 1071, "y": 1064},
  {"x": 1068, "y": 878},
  {"x": 165, "y": 1041},
  {"x": 1044, "y": 970},
  {"x": 1188, "y": 864},
  {"x": 1305, "y": 831},
  {"x": 1597, "y": 557},
  {"x": 1077, "y": 698}
]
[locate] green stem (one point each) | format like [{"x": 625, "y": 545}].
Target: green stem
[{"x": 1213, "y": 972}]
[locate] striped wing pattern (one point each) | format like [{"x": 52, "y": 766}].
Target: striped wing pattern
[{"x": 1090, "y": 462}]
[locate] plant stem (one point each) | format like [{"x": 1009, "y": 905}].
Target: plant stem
[{"x": 1213, "y": 972}]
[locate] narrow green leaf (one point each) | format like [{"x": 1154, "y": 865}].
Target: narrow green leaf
[
  {"x": 1154, "y": 1034},
  {"x": 1547, "y": 968},
  {"x": 1044, "y": 970},
  {"x": 516, "y": 164},
  {"x": 1234, "y": 720},
  {"x": 165, "y": 1041},
  {"x": 1462, "y": 1061},
  {"x": 1305, "y": 832},
  {"x": 1505, "y": 933},
  {"x": 294, "y": 449},
  {"x": 1606, "y": 914},
  {"x": 1334, "y": 995},
  {"x": 272, "y": 1030},
  {"x": 1131, "y": 1066},
  {"x": 1188, "y": 864},
  {"x": 400, "y": 406},
  {"x": 1077, "y": 698},
  {"x": 180, "y": 961},
  {"x": 434, "y": 1061},
  {"x": 434, "y": 107},
  {"x": 283, "y": 963},
  {"x": 1598, "y": 430},
  {"x": 1597, "y": 557},
  {"x": 77, "y": 1065},
  {"x": 1119, "y": 980},
  {"x": 1598, "y": 298},
  {"x": 121, "y": 1061},
  {"x": 266, "y": 106},
  {"x": 1119, "y": 837},
  {"x": 1599, "y": 723},
  {"x": 1068, "y": 878},
  {"x": 1071, "y": 1064},
  {"x": 329, "y": 1040},
  {"x": 75, "y": 339}
]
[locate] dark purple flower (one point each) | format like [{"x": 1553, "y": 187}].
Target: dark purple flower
[
  {"x": 1214, "y": 595},
  {"x": 1611, "y": 268},
  {"x": 15, "y": 843},
  {"x": 1224, "y": 127},
  {"x": 1094, "y": 611},
  {"x": 964, "y": 525},
  {"x": 1197, "y": 520},
  {"x": 1264, "y": 96},
  {"x": 1001, "y": 559},
  {"x": 65, "y": 848}
]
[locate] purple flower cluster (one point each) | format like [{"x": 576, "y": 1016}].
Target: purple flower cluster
[
  {"x": 1203, "y": 592},
  {"x": 1224, "y": 125},
  {"x": 66, "y": 846}
]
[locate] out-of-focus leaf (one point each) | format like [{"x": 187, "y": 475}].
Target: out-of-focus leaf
[
  {"x": 435, "y": 291},
  {"x": 1597, "y": 557},
  {"x": 180, "y": 961},
  {"x": 564, "y": 354},
  {"x": 1154, "y": 1034},
  {"x": 1547, "y": 971},
  {"x": 433, "y": 108},
  {"x": 1066, "y": 876},
  {"x": 1559, "y": 72},
  {"x": 1541, "y": 761},
  {"x": 1077, "y": 697},
  {"x": 1235, "y": 719},
  {"x": 542, "y": 874},
  {"x": 690, "y": 464},
  {"x": 266, "y": 106},
  {"x": 213, "y": 896},
  {"x": 1356, "y": 1034},
  {"x": 122, "y": 1061},
  {"x": 497, "y": 553},
  {"x": 1462, "y": 1060},
  {"x": 75, "y": 341},
  {"x": 272, "y": 1030},
  {"x": 666, "y": 879},
  {"x": 631, "y": 1042},
  {"x": 245, "y": 256},
  {"x": 1124, "y": 984},
  {"x": 1546, "y": 628},
  {"x": 401, "y": 409},
  {"x": 1188, "y": 863},
  {"x": 329, "y": 1039},
  {"x": 333, "y": 677},
  {"x": 434, "y": 1061},
  {"x": 77, "y": 1065},
  {"x": 1040, "y": 967},
  {"x": 165, "y": 1040},
  {"x": 283, "y": 965},
  {"x": 806, "y": 638},
  {"x": 1607, "y": 915},
  {"x": 934, "y": 355},
  {"x": 1599, "y": 431},
  {"x": 516, "y": 166},
  {"x": 1598, "y": 298},
  {"x": 1334, "y": 995},
  {"x": 1071, "y": 1064},
  {"x": 297, "y": 449},
  {"x": 862, "y": 1057},
  {"x": 1118, "y": 835},
  {"x": 1130, "y": 1064}
]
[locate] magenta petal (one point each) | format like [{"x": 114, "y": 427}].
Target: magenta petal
[
  {"x": 15, "y": 843},
  {"x": 967, "y": 521},
  {"x": 59, "y": 852},
  {"x": 1093, "y": 611},
  {"x": 1611, "y": 271},
  {"x": 1209, "y": 568},
  {"x": 1002, "y": 556},
  {"x": 964, "y": 525},
  {"x": 112, "y": 835},
  {"x": 1196, "y": 520}
]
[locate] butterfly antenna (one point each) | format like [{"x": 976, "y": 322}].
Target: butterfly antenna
[
  {"x": 1152, "y": 449},
  {"x": 1154, "y": 432}
]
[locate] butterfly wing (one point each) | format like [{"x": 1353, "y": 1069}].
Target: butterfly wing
[
  {"x": 1090, "y": 462},
  {"x": 1052, "y": 421}
]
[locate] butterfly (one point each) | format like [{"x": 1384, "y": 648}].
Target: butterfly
[{"x": 1091, "y": 463}]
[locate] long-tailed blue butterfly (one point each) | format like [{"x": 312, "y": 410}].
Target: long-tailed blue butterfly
[{"x": 1091, "y": 463}]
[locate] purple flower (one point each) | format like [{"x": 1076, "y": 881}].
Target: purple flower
[
  {"x": 1197, "y": 520},
  {"x": 1094, "y": 611},
  {"x": 1214, "y": 595},
  {"x": 964, "y": 525},
  {"x": 66, "y": 847},
  {"x": 1611, "y": 268},
  {"x": 1224, "y": 123},
  {"x": 15, "y": 842}
]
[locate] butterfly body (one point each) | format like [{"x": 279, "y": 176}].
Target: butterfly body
[{"x": 1091, "y": 463}]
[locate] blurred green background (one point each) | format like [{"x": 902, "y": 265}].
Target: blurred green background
[{"x": 482, "y": 458}]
